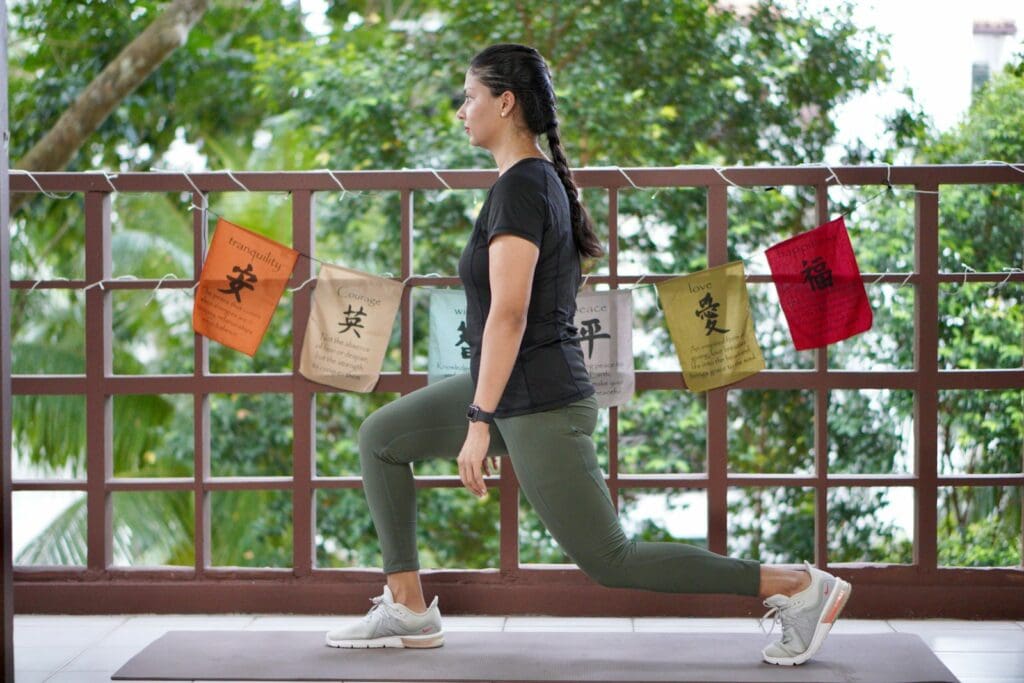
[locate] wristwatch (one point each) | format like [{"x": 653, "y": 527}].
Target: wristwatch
[{"x": 476, "y": 414}]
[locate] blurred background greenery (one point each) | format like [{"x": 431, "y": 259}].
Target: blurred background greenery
[{"x": 640, "y": 83}]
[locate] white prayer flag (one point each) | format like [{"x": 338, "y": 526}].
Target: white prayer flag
[
  {"x": 604, "y": 320},
  {"x": 448, "y": 348}
]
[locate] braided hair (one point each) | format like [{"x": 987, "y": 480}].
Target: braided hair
[{"x": 523, "y": 71}]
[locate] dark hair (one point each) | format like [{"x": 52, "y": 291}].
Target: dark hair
[{"x": 522, "y": 70}]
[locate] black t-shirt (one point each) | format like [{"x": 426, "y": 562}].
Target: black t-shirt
[{"x": 529, "y": 200}]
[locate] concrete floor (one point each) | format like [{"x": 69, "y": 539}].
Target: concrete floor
[{"x": 88, "y": 649}]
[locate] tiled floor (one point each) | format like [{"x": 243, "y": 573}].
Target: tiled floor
[{"x": 88, "y": 649}]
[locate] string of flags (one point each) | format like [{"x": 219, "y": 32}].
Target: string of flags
[{"x": 820, "y": 288}]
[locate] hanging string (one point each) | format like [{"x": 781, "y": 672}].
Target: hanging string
[
  {"x": 626, "y": 176},
  {"x": 153, "y": 293},
  {"x": 39, "y": 282},
  {"x": 304, "y": 283},
  {"x": 51, "y": 195},
  {"x": 357, "y": 194},
  {"x": 237, "y": 181},
  {"x": 436, "y": 275},
  {"x": 188, "y": 179},
  {"x": 438, "y": 176},
  {"x": 721, "y": 174},
  {"x": 966, "y": 268},
  {"x": 1009, "y": 272},
  {"x": 1019, "y": 168},
  {"x": 109, "y": 177},
  {"x": 99, "y": 283}
]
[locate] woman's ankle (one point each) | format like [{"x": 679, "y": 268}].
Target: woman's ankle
[
  {"x": 803, "y": 580},
  {"x": 407, "y": 590},
  {"x": 416, "y": 609}
]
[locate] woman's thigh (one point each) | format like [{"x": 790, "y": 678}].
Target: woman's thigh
[
  {"x": 552, "y": 453},
  {"x": 429, "y": 422}
]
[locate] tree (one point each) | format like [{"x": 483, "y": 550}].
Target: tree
[
  {"x": 122, "y": 76},
  {"x": 644, "y": 83},
  {"x": 980, "y": 327}
]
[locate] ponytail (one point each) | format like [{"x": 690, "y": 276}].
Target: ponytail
[{"x": 582, "y": 227}]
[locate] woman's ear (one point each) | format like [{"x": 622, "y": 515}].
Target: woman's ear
[{"x": 508, "y": 101}]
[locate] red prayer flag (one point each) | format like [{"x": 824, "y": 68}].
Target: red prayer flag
[{"x": 819, "y": 286}]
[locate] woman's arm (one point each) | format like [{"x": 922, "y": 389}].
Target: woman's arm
[{"x": 511, "y": 260}]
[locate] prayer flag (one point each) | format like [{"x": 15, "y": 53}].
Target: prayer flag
[
  {"x": 448, "y": 347},
  {"x": 708, "y": 316},
  {"x": 240, "y": 285},
  {"x": 819, "y": 285},
  {"x": 605, "y": 323},
  {"x": 349, "y": 328}
]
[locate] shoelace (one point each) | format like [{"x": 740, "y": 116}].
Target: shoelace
[
  {"x": 385, "y": 622},
  {"x": 778, "y": 614},
  {"x": 377, "y": 601}
]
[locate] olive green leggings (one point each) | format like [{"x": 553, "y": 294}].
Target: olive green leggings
[{"x": 552, "y": 453}]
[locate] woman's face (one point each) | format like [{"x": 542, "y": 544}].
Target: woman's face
[{"x": 480, "y": 113}]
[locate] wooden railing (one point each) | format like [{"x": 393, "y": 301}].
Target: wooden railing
[{"x": 918, "y": 589}]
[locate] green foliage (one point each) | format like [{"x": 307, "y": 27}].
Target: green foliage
[
  {"x": 980, "y": 327},
  {"x": 979, "y": 525}
]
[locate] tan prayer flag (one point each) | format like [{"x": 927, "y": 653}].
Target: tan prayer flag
[
  {"x": 709, "y": 319},
  {"x": 349, "y": 328}
]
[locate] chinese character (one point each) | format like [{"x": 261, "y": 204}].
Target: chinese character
[
  {"x": 463, "y": 342},
  {"x": 352, "y": 320},
  {"x": 593, "y": 326},
  {"x": 245, "y": 277},
  {"x": 818, "y": 275},
  {"x": 709, "y": 312}
]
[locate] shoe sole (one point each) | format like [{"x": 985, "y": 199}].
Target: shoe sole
[
  {"x": 833, "y": 608},
  {"x": 427, "y": 641}
]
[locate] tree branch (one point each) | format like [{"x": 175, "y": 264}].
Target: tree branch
[{"x": 124, "y": 74}]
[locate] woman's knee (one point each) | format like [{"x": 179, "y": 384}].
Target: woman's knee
[
  {"x": 373, "y": 436},
  {"x": 605, "y": 573},
  {"x": 606, "y": 568}
]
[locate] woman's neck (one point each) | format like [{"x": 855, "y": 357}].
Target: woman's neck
[{"x": 509, "y": 154}]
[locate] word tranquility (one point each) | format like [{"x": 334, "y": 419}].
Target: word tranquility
[{"x": 267, "y": 257}]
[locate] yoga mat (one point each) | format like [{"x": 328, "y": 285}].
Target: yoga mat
[{"x": 531, "y": 656}]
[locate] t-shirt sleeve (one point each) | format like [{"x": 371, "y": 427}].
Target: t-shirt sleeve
[{"x": 517, "y": 208}]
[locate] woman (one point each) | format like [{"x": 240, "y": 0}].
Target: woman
[{"x": 529, "y": 395}]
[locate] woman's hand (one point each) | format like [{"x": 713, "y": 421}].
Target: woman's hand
[{"x": 473, "y": 459}]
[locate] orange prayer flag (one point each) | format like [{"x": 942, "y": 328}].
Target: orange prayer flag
[{"x": 241, "y": 282}]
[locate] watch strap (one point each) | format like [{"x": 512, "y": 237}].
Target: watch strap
[{"x": 476, "y": 414}]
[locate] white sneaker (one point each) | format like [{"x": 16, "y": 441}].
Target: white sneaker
[
  {"x": 806, "y": 617},
  {"x": 391, "y": 624}
]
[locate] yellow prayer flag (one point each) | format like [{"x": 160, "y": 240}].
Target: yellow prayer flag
[{"x": 709, "y": 319}]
